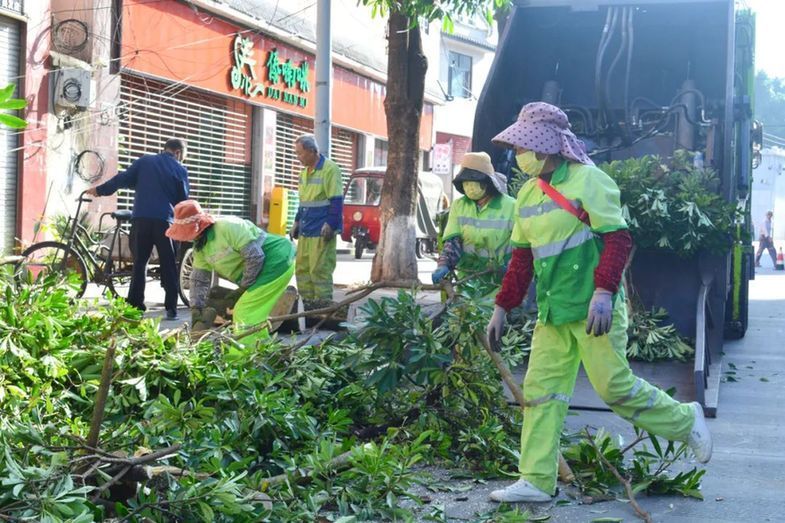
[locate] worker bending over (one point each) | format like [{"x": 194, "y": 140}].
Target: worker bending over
[{"x": 261, "y": 264}]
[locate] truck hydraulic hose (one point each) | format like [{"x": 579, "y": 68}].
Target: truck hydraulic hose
[{"x": 607, "y": 35}]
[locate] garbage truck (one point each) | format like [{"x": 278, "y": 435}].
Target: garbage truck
[{"x": 689, "y": 65}]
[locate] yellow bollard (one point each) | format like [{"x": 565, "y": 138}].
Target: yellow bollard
[{"x": 279, "y": 204}]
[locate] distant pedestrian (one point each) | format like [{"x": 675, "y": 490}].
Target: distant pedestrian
[
  {"x": 160, "y": 181},
  {"x": 766, "y": 241},
  {"x": 319, "y": 218}
]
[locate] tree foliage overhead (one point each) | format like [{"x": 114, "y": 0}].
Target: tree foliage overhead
[{"x": 428, "y": 10}]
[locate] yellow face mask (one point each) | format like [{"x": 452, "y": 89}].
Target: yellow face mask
[
  {"x": 529, "y": 163},
  {"x": 474, "y": 190}
]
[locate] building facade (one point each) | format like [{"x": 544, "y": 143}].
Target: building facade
[
  {"x": 11, "y": 42},
  {"x": 108, "y": 82},
  {"x": 459, "y": 63}
]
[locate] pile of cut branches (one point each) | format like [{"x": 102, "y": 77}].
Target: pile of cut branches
[{"x": 205, "y": 431}]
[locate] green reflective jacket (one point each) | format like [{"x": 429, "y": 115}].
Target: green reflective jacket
[
  {"x": 225, "y": 242},
  {"x": 566, "y": 251},
  {"x": 485, "y": 231}
]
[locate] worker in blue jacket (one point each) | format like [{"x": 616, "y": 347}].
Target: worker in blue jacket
[{"x": 160, "y": 181}]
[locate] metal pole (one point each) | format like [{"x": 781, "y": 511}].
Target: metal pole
[{"x": 323, "y": 76}]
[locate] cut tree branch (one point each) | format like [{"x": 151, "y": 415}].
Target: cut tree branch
[{"x": 645, "y": 516}]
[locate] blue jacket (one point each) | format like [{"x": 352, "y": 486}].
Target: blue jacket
[{"x": 159, "y": 181}]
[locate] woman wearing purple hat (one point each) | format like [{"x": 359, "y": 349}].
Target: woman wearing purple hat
[{"x": 569, "y": 234}]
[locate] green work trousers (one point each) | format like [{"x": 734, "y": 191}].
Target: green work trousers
[
  {"x": 550, "y": 379},
  {"x": 255, "y": 304},
  {"x": 315, "y": 267}
]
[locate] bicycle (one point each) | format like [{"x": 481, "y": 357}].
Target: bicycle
[{"x": 91, "y": 261}]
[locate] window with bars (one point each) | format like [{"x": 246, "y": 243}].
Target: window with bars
[
  {"x": 459, "y": 75},
  {"x": 380, "y": 152},
  {"x": 217, "y": 132}
]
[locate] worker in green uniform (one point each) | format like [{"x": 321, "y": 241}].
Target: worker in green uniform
[
  {"x": 569, "y": 233},
  {"x": 261, "y": 264},
  {"x": 319, "y": 218},
  {"x": 477, "y": 235}
]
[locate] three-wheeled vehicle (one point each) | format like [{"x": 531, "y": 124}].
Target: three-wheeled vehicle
[{"x": 362, "y": 218}]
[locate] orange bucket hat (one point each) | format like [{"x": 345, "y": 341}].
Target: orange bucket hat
[{"x": 189, "y": 221}]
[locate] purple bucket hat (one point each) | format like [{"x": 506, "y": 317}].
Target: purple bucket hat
[{"x": 544, "y": 128}]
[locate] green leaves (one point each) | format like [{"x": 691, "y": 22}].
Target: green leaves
[
  {"x": 673, "y": 205},
  {"x": 647, "y": 470},
  {"x": 428, "y": 11},
  {"x": 403, "y": 392},
  {"x": 651, "y": 339},
  {"x": 11, "y": 104}
]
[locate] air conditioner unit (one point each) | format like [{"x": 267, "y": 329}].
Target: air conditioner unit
[{"x": 73, "y": 88}]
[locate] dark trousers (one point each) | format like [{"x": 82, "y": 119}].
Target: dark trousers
[
  {"x": 147, "y": 233},
  {"x": 766, "y": 244}
]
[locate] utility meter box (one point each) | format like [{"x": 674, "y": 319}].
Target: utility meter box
[{"x": 72, "y": 88}]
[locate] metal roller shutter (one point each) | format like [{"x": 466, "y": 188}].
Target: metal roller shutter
[
  {"x": 287, "y": 167},
  {"x": 216, "y": 129},
  {"x": 9, "y": 138}
]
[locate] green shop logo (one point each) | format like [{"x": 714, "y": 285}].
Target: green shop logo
[{"x": 293, "y": 77}]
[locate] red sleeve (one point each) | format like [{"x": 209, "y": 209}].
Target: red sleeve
[
  {"x": 517, "y": 279},
  {"x": 613, "y": 259}
]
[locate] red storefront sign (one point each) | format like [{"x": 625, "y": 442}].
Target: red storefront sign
[{"x": 170, "y": 40}]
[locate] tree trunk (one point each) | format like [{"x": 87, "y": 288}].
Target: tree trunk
[{"x": 406, "y": 66}]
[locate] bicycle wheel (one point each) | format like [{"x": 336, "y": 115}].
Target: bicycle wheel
[
  {"x": 117, "y": 274},
  {"x": 44, "y": 258},
  {"x": 186, "y": 266},
  {"x": 114, "y": 255}
]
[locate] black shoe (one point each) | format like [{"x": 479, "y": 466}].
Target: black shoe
[{"x": 171, "y": 314}]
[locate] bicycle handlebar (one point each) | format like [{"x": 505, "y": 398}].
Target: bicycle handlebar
[{"x": 83, "y": 198}]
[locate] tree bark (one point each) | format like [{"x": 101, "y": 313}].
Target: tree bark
[{"x": 406, "y": 66}]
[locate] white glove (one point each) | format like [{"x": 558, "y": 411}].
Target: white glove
[
  {"x": 600, "y": 313},
  {"x": 496, "y": 327}
]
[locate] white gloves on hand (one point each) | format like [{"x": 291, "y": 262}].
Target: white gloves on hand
[{"x": 496, "y": 327}]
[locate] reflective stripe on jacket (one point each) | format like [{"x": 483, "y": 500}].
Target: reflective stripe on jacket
[
  {"x": 485, "y": 231},
  {"x": 316, "y": 188}
]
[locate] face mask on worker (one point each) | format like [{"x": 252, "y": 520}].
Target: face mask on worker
[
  {"x": 474, "y": 190},
  {"x": 529, "y": 163}
]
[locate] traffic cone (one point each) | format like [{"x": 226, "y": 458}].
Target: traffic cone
[{"x": 780, "y": 261}]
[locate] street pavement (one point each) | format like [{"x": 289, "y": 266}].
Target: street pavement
[{"x": 349, "y": 272}]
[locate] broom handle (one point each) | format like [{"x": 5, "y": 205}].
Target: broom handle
[{"x": 565, "y": 472}]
